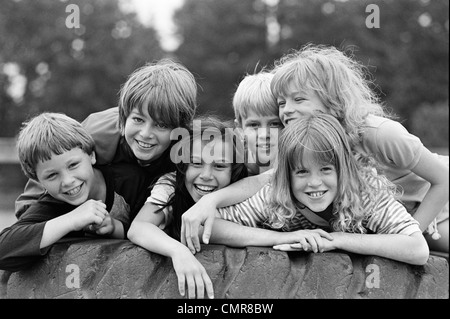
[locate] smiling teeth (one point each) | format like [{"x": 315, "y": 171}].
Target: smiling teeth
[
  {"x": 146, "y": 145},
  {"x": 204, "y": 188},
  {"x": 74, "y": 191},
  {"x": 316, "y": 194}
]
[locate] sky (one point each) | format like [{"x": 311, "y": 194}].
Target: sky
[{"x": 159, "y": 14}]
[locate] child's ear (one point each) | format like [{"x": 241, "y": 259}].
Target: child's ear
[
  {"x": 237, "y": 123},
  {"x": 93, "y": 158}
]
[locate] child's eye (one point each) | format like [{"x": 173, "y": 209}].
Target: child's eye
[
  {"x": 50, "y": 176},
  {"x": 73, "y": 165},
  {"x": 328, "y": 169},
  {"x": 221, "y": 165},
  {"x": 281, "y": 104},
  {"x": 137, "y": 119},
  {"x": 299, "y": 99},
  {"x": 276, "y": 124},
  {"x": 196, "y": 164},
  {"x": 252, "y": 125},
  {"x": 162, "y": 125},
  {"x": 301, "y": 172}
]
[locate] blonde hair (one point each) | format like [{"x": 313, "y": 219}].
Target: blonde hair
[
  {"x": 322, "y": 136},
  {"x": 341, "y": 83},
  {"x": 49, "y": 134},
  {"x": 254, "y": 94},
  {"x": 167, "y": 90}
]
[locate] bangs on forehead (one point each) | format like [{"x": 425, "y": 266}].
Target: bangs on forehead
[
  {"x": 319, "y": 150},
  {"x": 262, "y": 110},
  {"x": 160, "y": 108},
  {"x": 219, "y": 150},
  {"x": 288, "y": 74}
]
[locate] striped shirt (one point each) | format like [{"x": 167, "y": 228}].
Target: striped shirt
[
  {"x": 388, "y": 216},
  {"x": 160, "y": 195}
]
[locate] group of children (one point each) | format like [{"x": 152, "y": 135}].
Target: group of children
[{"x": 324, "y": 167}]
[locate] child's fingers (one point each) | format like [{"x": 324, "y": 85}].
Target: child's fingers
[
  {"x": 100, "y": 204},
  {"x": 207, "y": 228},
  {"x": 104, "y": 229},
  {"x": 303, "y": 243},
  {"x": 188, "y": 239},
  {"x": 299, "y": 246},
  {"x": 324, "y": 234},
  {"x": 191, "y": 287},
  {"x": 98, "y": 219},
  {"x": 183, "y": 233},
  {"x": 181, "y": 284},
  {"x": 194, "y": 237},
  {"x": 286, "y": 247},
  {"x": 312, "y": 242},
  {"x": 200, "y": 286},
  {"x": 208, "y": 285},
  {"x": 91, "y": 228}
]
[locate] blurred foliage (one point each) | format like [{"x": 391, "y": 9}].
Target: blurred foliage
[
  {"x": 79, "y": 71},
  {"x": 430, "y": 123},
  {"x": 71, "y": 70},
  {"x": 407, "y": 56}
]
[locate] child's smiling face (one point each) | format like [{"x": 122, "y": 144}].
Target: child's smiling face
[
  {"x": 206, "y": 174},
  {"x": 314, "y": 184},
  {"x": 147, "y": 138},
  {"x": 262, "y": 135},
  {"x": 68, "y": 177},
  {"x": 297, "y": 103}
]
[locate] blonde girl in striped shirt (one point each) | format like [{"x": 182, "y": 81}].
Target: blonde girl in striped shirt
[{"x": 320, "y": 183}]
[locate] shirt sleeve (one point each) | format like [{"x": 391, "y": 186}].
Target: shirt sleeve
[
  {"x": 20, "y": 243},
  {"x": 390, "y": 217},
  {"x": 33, "y": 190},
  {"x": 161, "y": 193},
  {"x": 250, "y": 212},
  {"x": 104, "y": 129},
  {"x": 396, "y": 146}
]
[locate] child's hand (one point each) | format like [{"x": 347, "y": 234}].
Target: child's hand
[
  {"x": 105, "y": 228},
  {"x": 189, "y": 270},
  {"x": 202, "y": 213},
  {"x": 90, "y": 212},
  {"x": 316, "y": 240}
]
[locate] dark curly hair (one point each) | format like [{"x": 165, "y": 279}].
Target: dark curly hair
[{"x": 181, "y": 200}]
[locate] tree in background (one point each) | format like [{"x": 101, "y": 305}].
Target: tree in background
[
  {"x": 71, "y": 70},
  {"x": 79, "y": 71},
  {"x": 222, "y": 40},
  {"x": 407, "y": 56},
  {"x": 430, "y": 122}
]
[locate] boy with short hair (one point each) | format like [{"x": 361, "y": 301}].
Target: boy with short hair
[
  {"x": 58, "y": 153},
  {"x": 155, "y": 98},
  {"x": 256, "y": 113}
]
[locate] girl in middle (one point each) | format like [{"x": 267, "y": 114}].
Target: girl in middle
[{"x": 207, "y": 160}]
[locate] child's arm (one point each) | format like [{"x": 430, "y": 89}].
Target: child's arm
[
  {"x": 33, "y": 190},
  {"x": 396, "y": 235},
  {"x": 144, "y": 231},
  {"x": 110, "y": 226},
  {"x": 232, "y": 234},
  {"x": 412, "y": 249},
  {"x": 436, "y": 172},
  {"x": 90, "y": 212},
  {"x": 32, "y": 235},
  {"x": 203, "y": 212},
  {"x": 395, "y": 147}
]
